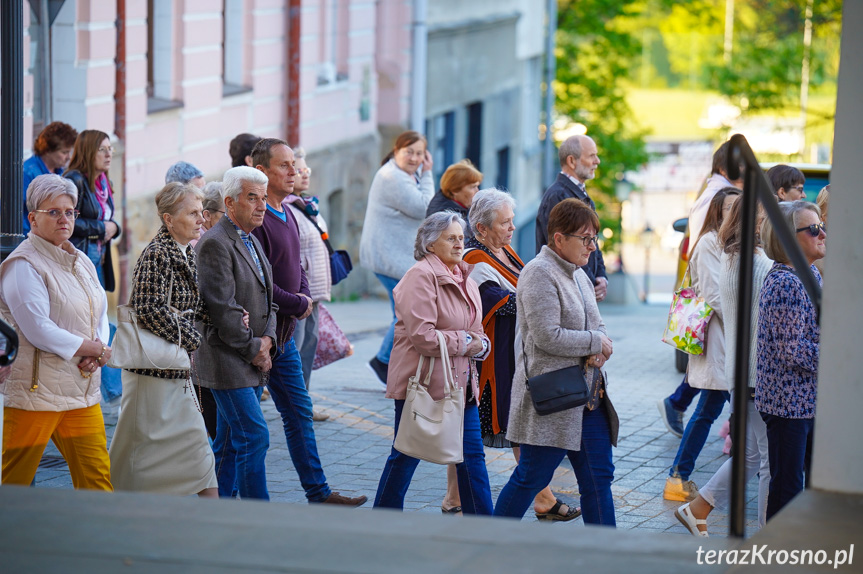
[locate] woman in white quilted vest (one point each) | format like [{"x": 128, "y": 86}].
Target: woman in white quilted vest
[
  {"x": 315, "y": 260},
  {"x": 50, "y": 293}
]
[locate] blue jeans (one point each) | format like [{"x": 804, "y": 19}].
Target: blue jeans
[
  {"x": 387, "y": 344},
  {"x": 789, "y": 448},
  {"x": 288, "y": 390},
  {"x": 706, "y": 412},
  {"x": 95, "y": 252},
  {"x": 593, "y": 466},
  {"x": 682, "y": 396},
  {"x": 473, "y": 485},
  {"x": 242, "y": 440}
]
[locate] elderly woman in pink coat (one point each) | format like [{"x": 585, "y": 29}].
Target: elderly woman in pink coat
[{"x": 436, "y": 294}]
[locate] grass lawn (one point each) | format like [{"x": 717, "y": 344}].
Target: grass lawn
[{"x": 673, "y": 114}]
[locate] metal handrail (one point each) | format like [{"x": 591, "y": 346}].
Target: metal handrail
[{"x": 756, "y": 187}]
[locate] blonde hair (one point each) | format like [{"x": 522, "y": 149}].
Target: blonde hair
[
  {"x": 822, "y": 200},
  {"x": 172, "y": 195},
  {"x": 790, "y": 214}
]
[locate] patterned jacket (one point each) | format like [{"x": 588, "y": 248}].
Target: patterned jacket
[
  {"x": 788, "y": 340},
  {"x": 161, "y": 260}
]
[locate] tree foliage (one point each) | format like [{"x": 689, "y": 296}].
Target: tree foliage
[{"x": 596, "y": 51}]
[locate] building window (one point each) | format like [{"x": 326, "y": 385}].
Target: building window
[
  {"x": 232, "y": 46},
  {"x": 334, "y": 41},
  {"x": 442, "y": 143},
  {"x": 160, "y": 55},
  {"x": 473, "y": 149},
  {"x": 502, "y": 179}
]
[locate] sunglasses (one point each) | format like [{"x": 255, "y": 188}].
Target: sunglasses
[{"x": 815, "y": 229}]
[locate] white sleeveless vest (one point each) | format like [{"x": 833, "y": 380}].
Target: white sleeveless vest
[{"x": 76, "y": 305}]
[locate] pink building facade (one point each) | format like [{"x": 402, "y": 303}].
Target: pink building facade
[{"x": 174, "y": 80}]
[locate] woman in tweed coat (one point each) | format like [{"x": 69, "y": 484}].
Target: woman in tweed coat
[
  {"x": 560, "y": 326},
  {"x": 160, "y": 444}
]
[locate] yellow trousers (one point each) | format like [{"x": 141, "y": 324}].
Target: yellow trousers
[{"x": 79, "y": 435}]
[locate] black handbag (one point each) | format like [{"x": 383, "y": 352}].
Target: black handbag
[{"x": 558, "y": 390}]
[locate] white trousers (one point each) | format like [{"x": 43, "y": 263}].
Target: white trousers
[{"x": 717, "y": 491}]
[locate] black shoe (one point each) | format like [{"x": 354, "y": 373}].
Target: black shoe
[{"x": 379, "y": 368}]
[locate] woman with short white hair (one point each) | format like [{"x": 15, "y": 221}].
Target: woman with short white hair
[
  {"x": 160, "y": 444},
  {"x": 437, "y": 294},
  {"x": 50, "y": 293},
  {"x": 213, "y": 205}
]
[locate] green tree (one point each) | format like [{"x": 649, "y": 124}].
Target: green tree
[
  {"x": 596, "y": 51},
  {"x": 765, "y": 69}
]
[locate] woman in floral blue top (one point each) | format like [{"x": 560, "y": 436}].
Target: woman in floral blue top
[{"x": 788, "y": 342}]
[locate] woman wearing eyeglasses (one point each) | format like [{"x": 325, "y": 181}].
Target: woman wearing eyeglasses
[
  {"x": 50, "y": 293},
  {"x": 788, "y": 341},
  {"x": 559, "y": 326},
  {"x": 95, "y": 226}
]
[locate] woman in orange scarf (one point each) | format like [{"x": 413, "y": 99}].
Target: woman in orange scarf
[{"x": 496, "y": 270}]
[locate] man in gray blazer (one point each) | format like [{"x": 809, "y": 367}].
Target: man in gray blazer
[{"x": 234, "y": 360}]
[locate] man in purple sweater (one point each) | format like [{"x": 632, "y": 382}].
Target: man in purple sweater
[{"x": 280, "y": 238}]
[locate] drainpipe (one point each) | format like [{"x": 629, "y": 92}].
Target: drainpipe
[
  {"x": 120, "y": 130},
  {"x": 45, "y": 21},
  {"x": 420, "y": 65},
  {"x": 12, "y": 121},
  {"x": 550, "y": 70},
  {"x": 292, "y": 118}
]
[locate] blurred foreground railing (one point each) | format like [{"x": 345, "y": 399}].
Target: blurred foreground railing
[{"x": 756, "y": 187}]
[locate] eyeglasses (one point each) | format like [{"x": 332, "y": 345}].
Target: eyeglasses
[
  {"x": 797, "y": 187},
  {"x": 815, "y": 229},
  {"x": 57, "y": 214},
  {"x": 304, "y": 171},
  {"x": 586, "y": 240},
  {"x": 215, "y": 211},
  {"x": 107, "y": 150}
]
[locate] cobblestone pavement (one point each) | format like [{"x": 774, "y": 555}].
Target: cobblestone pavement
[{"x": 355, "y": 441}]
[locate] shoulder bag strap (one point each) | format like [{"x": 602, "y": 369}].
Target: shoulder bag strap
[
  {"x": 324, "y": 237},
  {"x": 584, "y": 306},
  {"x": 449, "y": 385}
]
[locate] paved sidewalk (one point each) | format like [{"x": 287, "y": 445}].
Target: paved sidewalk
[{"x": 355, "y": 441}]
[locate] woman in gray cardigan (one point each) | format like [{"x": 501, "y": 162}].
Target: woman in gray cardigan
[
  {"x": 560, "y": 326},
  {"x": 398, "y": 198}
]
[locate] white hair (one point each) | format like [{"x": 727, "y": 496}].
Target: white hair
[
  {"x": 232, "y": 181},
  {"x": 213, "y": 196},
  {"x": 486, "y": 205},
  {"x": 430, "y": 230},
  {"x": 49, "y": 186}
]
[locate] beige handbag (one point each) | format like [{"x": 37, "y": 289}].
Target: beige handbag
[
  {"x": 433, "y": 430},
  {"x": 136, "y": 347}
]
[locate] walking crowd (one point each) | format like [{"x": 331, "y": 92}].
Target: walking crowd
[{"x": 227, "y": 301}]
